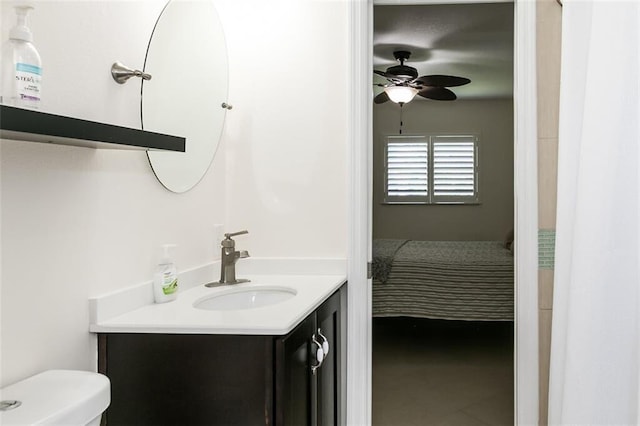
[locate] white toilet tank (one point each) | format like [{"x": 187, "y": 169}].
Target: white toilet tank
[{"x": 56, "y": 397}]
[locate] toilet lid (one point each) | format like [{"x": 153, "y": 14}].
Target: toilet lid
[{"x": 57, "y": 397}]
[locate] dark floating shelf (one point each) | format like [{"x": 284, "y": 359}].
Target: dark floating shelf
[{"x": 35, "y": 126}]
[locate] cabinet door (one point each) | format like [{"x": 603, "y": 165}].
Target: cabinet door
[
  {"x": 328, "y": 375},
  {"x": 293, "y": 376},
  {"x": 185, "y": 379}
]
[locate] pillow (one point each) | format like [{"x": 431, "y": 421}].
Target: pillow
[{"x": 508, "y": 240}]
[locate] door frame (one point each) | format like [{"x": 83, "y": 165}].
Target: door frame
[{"x": 359, "y": 322}]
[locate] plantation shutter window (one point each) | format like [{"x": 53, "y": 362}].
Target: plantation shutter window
[
  {"x": 454, "y": 168},
  {"x": 431, "y": 169},
  {"x": 407, "y": 169}
]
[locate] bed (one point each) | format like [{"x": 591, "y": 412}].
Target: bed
[{"x": 452, "y": 280}]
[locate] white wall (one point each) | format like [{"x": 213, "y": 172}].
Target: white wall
[
  {"x": 78, "y": 222},
  {"x": 287, "y": 180}
]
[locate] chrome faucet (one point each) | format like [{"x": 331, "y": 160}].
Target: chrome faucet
[{"x": 228, "y": 260}]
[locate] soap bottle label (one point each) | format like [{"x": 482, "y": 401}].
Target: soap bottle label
[
  {"x": 28, "y": 82},
  {"x": 169, "y": 283}
]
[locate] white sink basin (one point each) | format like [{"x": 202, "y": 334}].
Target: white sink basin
[{"x": 245, "y": 298}]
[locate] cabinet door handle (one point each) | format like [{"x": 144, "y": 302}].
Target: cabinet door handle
[
  {"x": 319, "y": 354},
  {"x": 325, "y": 343}
]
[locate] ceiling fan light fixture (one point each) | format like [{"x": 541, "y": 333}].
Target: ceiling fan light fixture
[{"x": 401, "y": 94}]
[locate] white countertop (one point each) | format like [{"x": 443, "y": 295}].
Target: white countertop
[{"x": 180, "y": 317}]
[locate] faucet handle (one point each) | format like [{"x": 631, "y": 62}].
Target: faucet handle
[{"x": 233, "y": 234}]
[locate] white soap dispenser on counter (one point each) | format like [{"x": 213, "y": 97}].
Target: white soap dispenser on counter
[{"x": 165, "y": 280}]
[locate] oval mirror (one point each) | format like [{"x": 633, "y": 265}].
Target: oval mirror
[{"x": 187, "y": 59}]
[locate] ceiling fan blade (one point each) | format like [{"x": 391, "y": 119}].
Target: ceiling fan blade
[
  {"x": 438, "y": 94},
  {"x": 381, "y": 98},
  {"x": 441, "y": 80}
]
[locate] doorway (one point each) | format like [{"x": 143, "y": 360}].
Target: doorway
[
  {"x": 359, "y": 303},
  {"x": 443, "y": 216}
]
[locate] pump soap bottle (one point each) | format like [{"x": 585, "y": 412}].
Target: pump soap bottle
[
  {"x": 21, "y": 66},
  {"x": 165, "y": 280}
]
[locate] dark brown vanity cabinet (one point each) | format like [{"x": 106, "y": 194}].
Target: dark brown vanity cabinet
[
  {"x": 308, "y": 384},
  {"x": 208, "y": 379}
]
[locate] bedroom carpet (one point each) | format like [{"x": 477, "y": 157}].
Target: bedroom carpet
[{"x": 442, "y": 373}]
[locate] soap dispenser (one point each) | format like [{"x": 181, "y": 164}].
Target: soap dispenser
[
  {"x": 165, "y": 280},
  {"x": 21, "y": 65}
]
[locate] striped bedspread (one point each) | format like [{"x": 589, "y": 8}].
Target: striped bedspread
[{"x": 455, "y": 280}]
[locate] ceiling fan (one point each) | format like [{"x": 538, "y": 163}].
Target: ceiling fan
[{"x": 404, "y": 83}]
